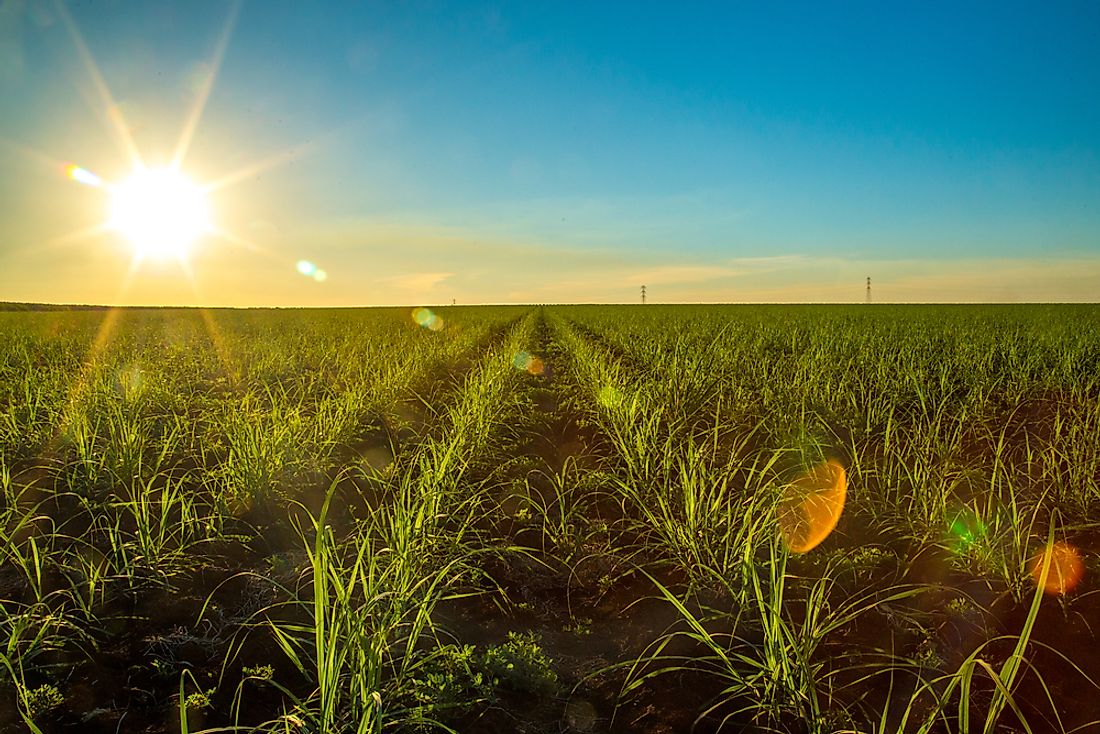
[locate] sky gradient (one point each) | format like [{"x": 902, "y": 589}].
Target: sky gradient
[{"x": 421, "y": 152}]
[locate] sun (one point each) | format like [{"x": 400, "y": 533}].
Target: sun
[{"x": 161, "y": 212}]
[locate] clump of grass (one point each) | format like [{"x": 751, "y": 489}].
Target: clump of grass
[
  {"x": 41, "y": 700},
  {"x": 521, "y": 665}
]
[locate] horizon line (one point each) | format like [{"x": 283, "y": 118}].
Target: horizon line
[{"x": 12, "y": 306}]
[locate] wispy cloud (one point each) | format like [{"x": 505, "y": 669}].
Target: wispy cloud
[
  {"x": 418, "y": 282},
  {"x": 675, "y": 274},
  {"x": 768, "y": 262},
  {"x": 1075, "y": 278},
  {"x": 477, "y": 266}
]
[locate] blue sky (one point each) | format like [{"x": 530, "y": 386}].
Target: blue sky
[{"x": 425, "y": 151}]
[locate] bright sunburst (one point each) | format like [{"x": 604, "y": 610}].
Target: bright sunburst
[{"x": 161, "y": 212}]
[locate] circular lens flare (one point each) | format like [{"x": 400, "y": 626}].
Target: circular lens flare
[
  {"x": 527, "y": 362},
  {"x": 308, "y": 269},
  {"x": 811, "y": 506},
  {"x": 966, "y": 531},
  {"x": 161, "y": 212},
  {"x": 427, "y": 319},
  {"x": 1065, "y": 571}
]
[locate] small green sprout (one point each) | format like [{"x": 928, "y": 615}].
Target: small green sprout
[
  {"x": 199, "y": 701},
  {"x": 42, "y": 699},
  {"x": 259, "y": 672}
]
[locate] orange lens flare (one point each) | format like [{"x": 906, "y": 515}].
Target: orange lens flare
[
  {"x": 1065, "y": 571},
  {"x": 527, "y": 362},
  {"x": 811, "y": 506}
]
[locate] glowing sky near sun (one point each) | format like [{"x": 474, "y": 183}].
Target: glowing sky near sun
[{"x": 423, "y": 152}]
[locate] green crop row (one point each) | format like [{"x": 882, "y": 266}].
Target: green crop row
[{"x": 278, "y": 516}]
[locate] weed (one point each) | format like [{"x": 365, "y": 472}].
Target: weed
[
  {"x": 521, "y": 665},
  {"x": 41, "y": 700}
]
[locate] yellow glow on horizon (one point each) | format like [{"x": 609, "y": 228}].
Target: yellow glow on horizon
[{"x": 161, "y": 212}]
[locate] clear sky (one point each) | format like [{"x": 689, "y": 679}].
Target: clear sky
[{"x": 420, "y": 152}]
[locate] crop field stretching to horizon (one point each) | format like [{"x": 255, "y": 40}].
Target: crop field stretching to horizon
[{"x": 795, "y": 519}]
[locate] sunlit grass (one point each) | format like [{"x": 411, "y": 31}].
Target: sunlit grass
[{"x": 235, "y": 456}]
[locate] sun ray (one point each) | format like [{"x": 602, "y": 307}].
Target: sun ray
[
  {"x": 114, "y": 114},
  {"x": 241, "y": 241},
  {"x": 78, "y": 392},
  {"x": 214, "y": 332},
  {"x": 39, "y": 156},
  {"x": 84, "y": 233},
  {"x": 69, "y": 238},
  {"x": 292, "y": 153},
  {"x": 189, "y": 276},
  {"x": 220, "y": 346},
  {"x": 265, "y": 164},
  {"x": 131, "y": 271},
  {"x": 103, "y": 335},
  {"x": 197, "y": 109}
]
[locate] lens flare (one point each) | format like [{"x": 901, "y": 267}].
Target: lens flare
[
  {"x": 308, "y": 269},
  {"x": 1065, "y": 571},
  {"x": 427, "y": 319},
  {"x": 527, "y": 362},
  {"x": 83, "y": 176},
  {"x": 160, "y": 211},
  {"x": 966, "y": 530},
  {"x": 129, "y": 382},
  {"x": 811, "y": 506}
]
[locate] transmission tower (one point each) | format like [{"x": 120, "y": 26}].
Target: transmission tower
[
  {"x": 643, "y": 295},
  {"x": 868, "y": 289}
]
